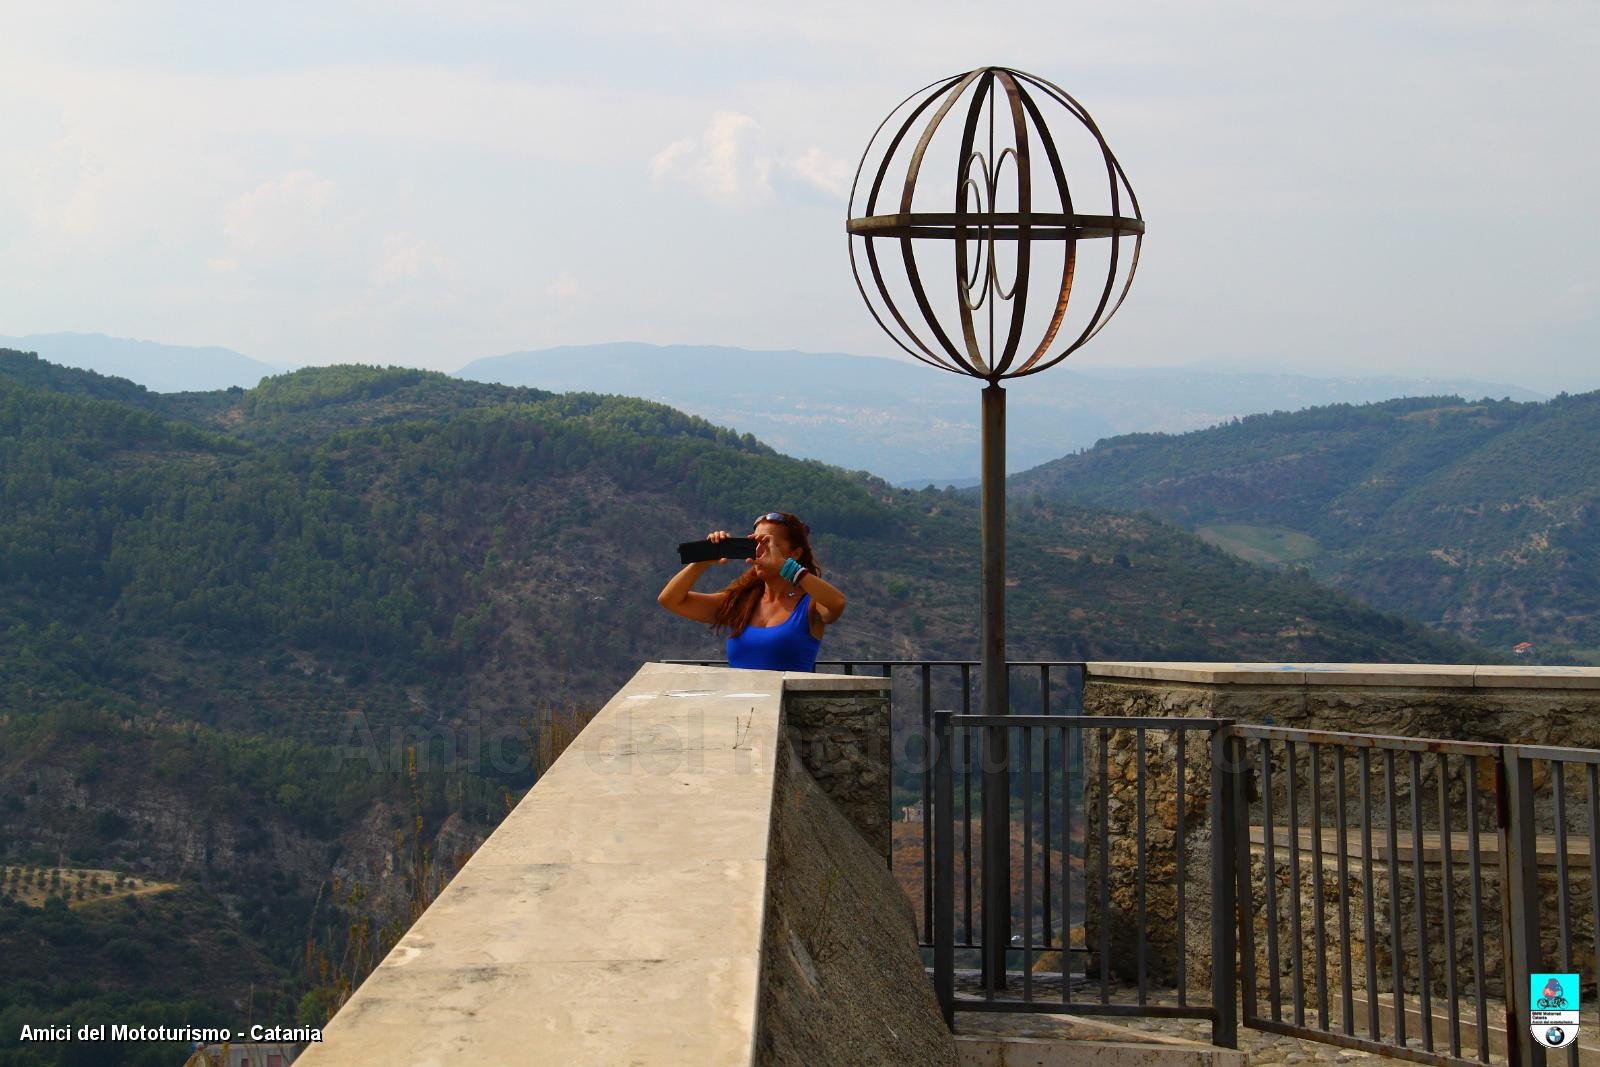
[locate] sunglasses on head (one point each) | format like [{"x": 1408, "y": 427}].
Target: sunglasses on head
[{"x": 787, "y": 522}]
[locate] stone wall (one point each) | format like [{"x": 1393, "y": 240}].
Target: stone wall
[
  {"x": 843, "y": 740},
  {"x": 1470, "y": 704},
  {"x": 1488, "y": 705}
]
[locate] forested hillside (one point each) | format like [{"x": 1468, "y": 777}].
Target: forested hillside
[
  {"x": 269, "y": 644},
  {"x": 1482, "y": 519}
]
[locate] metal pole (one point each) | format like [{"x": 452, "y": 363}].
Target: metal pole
[
  {"x": 1227, "y": 761},
  {"x": 996, "y": 696}
]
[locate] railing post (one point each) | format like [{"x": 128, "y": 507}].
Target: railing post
[
  {"x": 1244, "y": 892},
  {"x": 944, "y": 860},
  {"x": 1519, "y": 845},
  {"x": 1224, "y": 911}
]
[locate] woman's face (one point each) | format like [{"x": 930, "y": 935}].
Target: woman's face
[{"x": 777, "y": 535}]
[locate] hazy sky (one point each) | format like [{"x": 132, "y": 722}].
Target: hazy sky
[{"x": 1336, "y": 187}]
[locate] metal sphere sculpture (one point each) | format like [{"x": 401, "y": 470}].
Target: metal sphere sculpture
[{"x": 1020, "y": 218}]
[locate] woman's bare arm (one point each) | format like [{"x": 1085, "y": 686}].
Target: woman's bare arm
[
  {"x": 826, "y": 601},
  {"x": 678, "y": 595}
]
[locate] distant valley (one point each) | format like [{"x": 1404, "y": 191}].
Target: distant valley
[{"x": 914, "y": 425}]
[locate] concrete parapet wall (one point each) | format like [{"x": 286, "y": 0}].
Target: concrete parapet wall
[
  {"x": 641, "y": 903},
  {"x": 842, "y": 980}
]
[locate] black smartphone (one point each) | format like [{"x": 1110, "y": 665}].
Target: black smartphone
[{"x": 706, "y": 551}]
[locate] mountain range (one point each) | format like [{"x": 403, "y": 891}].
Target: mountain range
[
  {"x": 915, "y": 425},
  {"x": 1480, "y": 518},
  {"x": 907, "y": 423},
  {"x": 162, "y": 368}
]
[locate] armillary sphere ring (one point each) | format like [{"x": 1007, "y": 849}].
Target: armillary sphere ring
[{"x": 978, "y": 180}]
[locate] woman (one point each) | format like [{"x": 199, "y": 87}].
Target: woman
[{"x": 776, "y": 610}]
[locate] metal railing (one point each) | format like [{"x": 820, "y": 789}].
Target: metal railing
[
  {"x": 1400, "y": 892},
  {"x": 1400, "y": 821},
  {"x": 1083, "y": 803}
]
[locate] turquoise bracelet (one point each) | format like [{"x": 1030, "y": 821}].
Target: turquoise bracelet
[{"x": 791, "y": 570}]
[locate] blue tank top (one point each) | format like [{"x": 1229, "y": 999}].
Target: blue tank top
[{"x": 787, "y": 646}]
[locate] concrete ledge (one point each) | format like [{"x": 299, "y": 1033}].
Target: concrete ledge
[
  {"x": 797, "y": 682},
  {"x": 619, "y": 914},
  {"x": 1466, "y": 676}
]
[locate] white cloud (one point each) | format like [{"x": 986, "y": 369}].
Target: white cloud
[
  {"x": 69, "y": 189},
  {"x": 565, "y": 287},
  {"x": 723, "y": 163},
  {"x": 824, "y": 173},
  {"x": 733, "y": 162},
  {"x": 406, "y": 258},
  {"x": 281, "y": 214}
]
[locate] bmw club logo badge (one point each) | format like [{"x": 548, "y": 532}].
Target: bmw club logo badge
[{"x": 1553, "y": 1009}]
